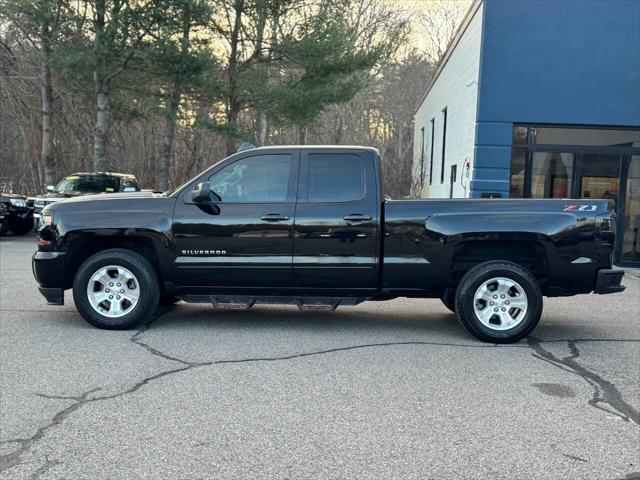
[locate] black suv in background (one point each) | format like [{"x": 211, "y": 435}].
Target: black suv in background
[
  {"x": 78, "y": 184},
  {"x": 16, "y": 214}
]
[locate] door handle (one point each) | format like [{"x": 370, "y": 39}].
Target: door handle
[
  {"x": 357, "y": 217},
  {"x": 273, "y": 217}
]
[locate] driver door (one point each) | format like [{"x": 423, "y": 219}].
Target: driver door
[{"x": 247, "y": 241}]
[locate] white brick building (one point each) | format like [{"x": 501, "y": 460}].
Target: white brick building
[{"x": 445, "y": 120}]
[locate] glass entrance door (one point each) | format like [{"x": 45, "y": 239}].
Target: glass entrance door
[
  {"x": 630, "y": 217},
  {"x": 598, "y": 176}
]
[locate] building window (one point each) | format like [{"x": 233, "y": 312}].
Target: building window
[
  {"x": 581, "y": 162},
  {"x": 600, "y": 137},
  {"x": 551, "y": 174},
  {"x": 422, "y": 156},
  {"x": 454, "y": 177},
  {"x": 444, "y": 142},
  {"x": 433, "y": 136},
  {"x": 518, "y": 156}
]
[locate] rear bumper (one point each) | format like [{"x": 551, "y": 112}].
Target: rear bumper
[
  {"x": 49, "y": 271},
  {"x": 608, "y": 281}
]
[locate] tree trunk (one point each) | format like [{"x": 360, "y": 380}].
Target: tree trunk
[
  {"x": 174, "y": 104},
  {"x": 46, "y": 154},
  {"x": 233, "y": 107},
  {"x": 101, "y": 130},
  {"x": 262, "y": 135},
  {"x": 167, "y": 141},
  {"x": 302, "y": 135}
]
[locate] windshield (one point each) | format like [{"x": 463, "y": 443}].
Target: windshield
[{"x": 87, "y": 184}]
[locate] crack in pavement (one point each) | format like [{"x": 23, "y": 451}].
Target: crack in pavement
[
  {"x": 604, "y": 392},
  {"x": 42, "y": 469},
  {"x": 611, "y": 395},
  {"x": 575, "y": 457}
]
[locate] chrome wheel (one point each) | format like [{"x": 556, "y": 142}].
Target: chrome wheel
[
  {"x": 500, "y": 303},
  {"x": 113, "y": 291}
]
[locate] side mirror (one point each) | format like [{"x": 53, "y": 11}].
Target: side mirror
[
  {"x": 129, "y": 189},
  {"x": 50, "y": 188},
  {"x": 202, "y": 193}
]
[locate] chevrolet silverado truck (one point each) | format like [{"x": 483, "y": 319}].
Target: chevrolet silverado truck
[{"x": 310, "y": 226}]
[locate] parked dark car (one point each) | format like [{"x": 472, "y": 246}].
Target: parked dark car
[
  {"x": 311, "y": 226},
  {"x": 16, "y": 214},
  {"x": 84, "y": 183}
]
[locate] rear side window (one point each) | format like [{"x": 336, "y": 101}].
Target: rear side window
[{"x": 335, "y": 177}]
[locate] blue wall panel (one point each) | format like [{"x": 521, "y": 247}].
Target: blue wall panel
[
  {"x": 552, "y": 61},
  {"x": 561, "y": 61}
]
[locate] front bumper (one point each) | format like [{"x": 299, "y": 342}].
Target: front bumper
[
  {"x": 608, "y": 281},
  {"x": 49, "y": 271}
]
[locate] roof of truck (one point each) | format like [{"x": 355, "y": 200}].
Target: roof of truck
[{"x": 309, "y": 147}]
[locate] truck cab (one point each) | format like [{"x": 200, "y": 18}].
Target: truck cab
[{"x": 286, "y": 220}]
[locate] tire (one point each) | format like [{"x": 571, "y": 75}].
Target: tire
[
  {"x": 21, "y": 226},
  {"x": 517, "y": 314},
  {"x": 4, "y": 227},
  {"x": 449, "y": 299},
  {"x": 137, "y": 276}
]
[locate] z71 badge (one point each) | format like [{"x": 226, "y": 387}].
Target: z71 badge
[
  {"x": 580, "y": 208},
  {"x": 204, "y": 252}
]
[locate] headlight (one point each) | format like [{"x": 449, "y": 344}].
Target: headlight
[
  {"x": 3, "y": 208},
  {"x": 47, "y": 219},
  {"x": 18, "y": 202}
]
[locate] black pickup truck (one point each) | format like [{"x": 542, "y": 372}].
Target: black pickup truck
[{"x": 310, "y": 226}]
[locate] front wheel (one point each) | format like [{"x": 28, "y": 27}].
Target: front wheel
[
  {"x": 116, "y": 289},
  {"x": 499, "y": 302}
]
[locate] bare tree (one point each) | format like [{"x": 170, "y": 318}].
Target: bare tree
[{"x": 439, "y": 21}]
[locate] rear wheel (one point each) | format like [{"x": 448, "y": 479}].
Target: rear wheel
[
  {"x": 499, "y": 302},
  {"x": 116, "y": 289}
]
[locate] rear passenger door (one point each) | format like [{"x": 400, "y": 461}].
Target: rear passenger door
[{"x": 336, "y": 228}]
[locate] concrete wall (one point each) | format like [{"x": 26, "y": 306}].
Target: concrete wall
[
  {"x": 553, "y": 61},
  {"x": 456, "y": 88}
]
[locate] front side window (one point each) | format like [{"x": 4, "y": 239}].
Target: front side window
[
  {"x": 335, "y": 177},
  {"x": 261, "y": 178}
]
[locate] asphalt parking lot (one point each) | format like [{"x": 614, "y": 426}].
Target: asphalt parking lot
[{"x": 383, "y": 390}]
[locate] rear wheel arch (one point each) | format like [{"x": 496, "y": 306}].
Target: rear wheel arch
[{"x": 530, "y": 254}]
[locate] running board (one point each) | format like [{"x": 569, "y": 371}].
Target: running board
[{"x": 243, "y": 302}]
